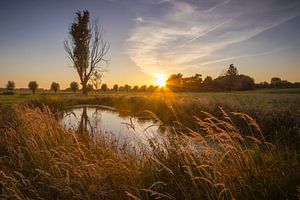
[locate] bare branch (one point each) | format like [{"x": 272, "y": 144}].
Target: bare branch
[{"x": 89, "y": 48}]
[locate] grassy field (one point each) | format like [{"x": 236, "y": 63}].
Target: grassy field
[{"x": 244, "y": 146}]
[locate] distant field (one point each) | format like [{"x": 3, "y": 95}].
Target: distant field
[{"x": 19, "y": 96}]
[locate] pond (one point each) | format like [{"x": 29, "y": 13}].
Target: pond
[{"x": 105, "y": 120}]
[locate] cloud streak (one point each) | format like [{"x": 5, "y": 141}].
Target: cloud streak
[{"x": 189, "y": 31}]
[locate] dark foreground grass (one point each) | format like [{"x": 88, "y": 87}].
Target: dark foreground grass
[{"x": 40, "y": 160}]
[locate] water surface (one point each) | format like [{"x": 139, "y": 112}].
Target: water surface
[{"x": 107, "y": 121}]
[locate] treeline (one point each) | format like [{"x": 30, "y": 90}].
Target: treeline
[
  {"x": 231, "y": 80},
  {"x": 116, "y": 88},
  {"x": 75, "y": 87},
  {"x": 276, "y": 82}
]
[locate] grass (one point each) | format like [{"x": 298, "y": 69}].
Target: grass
[
  {"x": 40, "y": 160},
  {"x": 214, "y": 154}
]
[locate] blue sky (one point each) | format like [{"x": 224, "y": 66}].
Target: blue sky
[{"x": 153, "y": 36}]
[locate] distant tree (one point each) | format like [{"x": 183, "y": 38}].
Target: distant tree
[
  {"x": 127, "y": 87},
  {"x": 89, "y": 87},
  {"x": 296, "y": 84},
  {"x": 191, "y": 83},
  {"x": 208, "y": 84},
  {"x": 121, "y": 89},
  {"x": 150, "y": 88},
  {"x": 231, "y": 78},
  {"x": 275, "y": 81},
  {"x": 143, "y": 88},
  {"x": 208, "y": 80},
  {"x": 135, "y": 88},
  {"x": 10, "y": 85},
  {"x": 285, "y": 84},
  {"x": 55, "y": 86},
  {"x": 115, "y": 88},
  {"x": 88, "y": 48},
  {"x": 104, "y": 87},
  {"x": 96, "y": 79},
  {"x": 174, "y": 82},
  {"x": 263, "y": 84},
  {"x": 245, "y": 83},
  {"x": 74, "y": 86},
  {"x": 33, "y": 86},
  {"x": 232, "y": 71}
]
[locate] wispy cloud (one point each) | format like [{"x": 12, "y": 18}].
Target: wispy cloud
[
  {"x": 190, "y": 31},
  {"x": 139, "y": 19}
]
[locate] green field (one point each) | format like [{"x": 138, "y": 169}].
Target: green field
[{"x": 245, "y": 146}]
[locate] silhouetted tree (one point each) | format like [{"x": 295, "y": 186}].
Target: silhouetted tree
[
  {"x": 104, "y": 87},
  {"x": 88, "y": 48},
  {"x": 150, "y": 88},
  {"x": 285, "y": 84},
  {"x": 135, "y": 88},
  {"x": 245, "y": 83},
  {"x": 275, "y": 80},
  {"x": 127, "y": 87},
  {"x": 232, "y": 71},
  {"x": 89, "y": 87},
  {"x": 121, "y": 88},
  {"x": 143, "y": 88},
  {"x": 192, "y": 83},
  {"x": 264, "y": 84},
  {"x": 33, "y": 86},
  {"x": 55, "y": 86},
  {"x": 231, "y": 78},
  {"x": 74, "y": 86},
  {"x": 115, "y": 88},
  {"x": 208, "y": 84},
  {"x": 174, "y": 82},
  {"x": 10, "y": 85}
]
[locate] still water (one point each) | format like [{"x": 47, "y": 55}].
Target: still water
[{"x": 107, "y": 121}]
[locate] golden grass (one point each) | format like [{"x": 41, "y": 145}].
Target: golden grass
[{"x": 40, "y": 160}]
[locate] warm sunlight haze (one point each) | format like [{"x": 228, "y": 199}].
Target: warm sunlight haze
[{"x": 161, "y": 79}]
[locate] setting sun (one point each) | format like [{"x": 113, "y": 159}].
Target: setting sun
[{"x": 161, "y": 79}]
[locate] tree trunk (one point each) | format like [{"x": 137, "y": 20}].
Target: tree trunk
[{"x": 84, "y": 89}]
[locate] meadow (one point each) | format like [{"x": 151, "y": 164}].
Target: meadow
[{"x": 245, "y": 146}]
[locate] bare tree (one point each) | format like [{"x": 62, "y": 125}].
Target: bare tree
[
  {"x": 86, "y": 48},
  {"x": 96, "y": 79}
]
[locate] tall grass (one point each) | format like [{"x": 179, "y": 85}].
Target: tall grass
[{"x": 40, "y": 160}]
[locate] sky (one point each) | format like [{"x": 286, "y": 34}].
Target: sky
[{"x": 153, "y": 37}]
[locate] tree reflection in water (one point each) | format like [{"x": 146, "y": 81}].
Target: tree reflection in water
[{"x": 92, "y": 121}]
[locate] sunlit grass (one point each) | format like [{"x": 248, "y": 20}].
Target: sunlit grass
[{"x": 40, "y": 160}]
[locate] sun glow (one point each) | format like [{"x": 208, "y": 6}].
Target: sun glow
[{"x": 161, "y": 79}]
